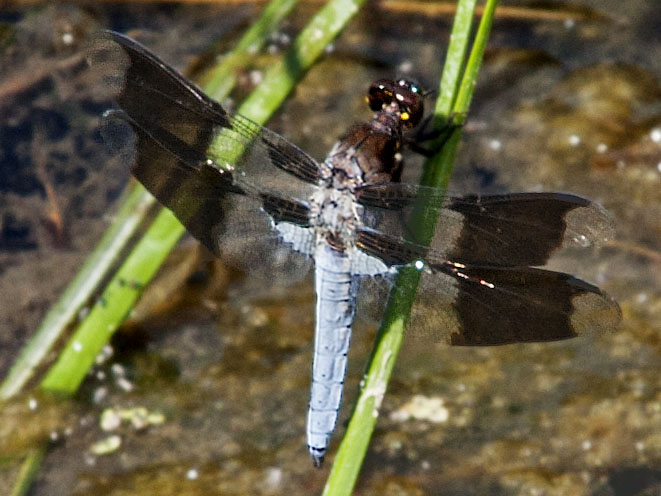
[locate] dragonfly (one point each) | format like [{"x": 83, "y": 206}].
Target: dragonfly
[{"x": 251, "y": 196}]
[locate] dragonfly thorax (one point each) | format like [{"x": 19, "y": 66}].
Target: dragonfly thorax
[{"x": 334, "y": 216}]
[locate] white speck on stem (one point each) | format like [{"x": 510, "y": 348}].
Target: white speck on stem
[
  {"x": 377, "y": 391},
  {"x": 317, "y": 34}
]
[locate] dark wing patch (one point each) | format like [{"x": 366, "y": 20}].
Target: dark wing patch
[
  {"x": 480, "y": 304},
  {"x": 197, "y": 194},
  {"x": 173, "y": 125},
  {"x": 526, "y": 228},
  {"x": 155, "y": 95},
  {"x": 511, "y": 230},
  {"x": 502, "y": 305}
]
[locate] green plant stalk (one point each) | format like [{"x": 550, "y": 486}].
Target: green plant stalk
[
  {"x": 454, "y": 59},
  {"x": 64, "y": 313},
  {"x": 29, "y": 470},
  {"x": 469, "y": 80},
  {"x": 306, "y": 49},
  {"x": 111, "y": 309},
  {"x": 454, "y": 98},
  {"x": 220, "y": 80},
  {"x": 123, "y": 289}
]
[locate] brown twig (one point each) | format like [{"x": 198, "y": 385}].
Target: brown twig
[
  {"x": 636, "y": 249},
  {"x": 54, "y": 220}
]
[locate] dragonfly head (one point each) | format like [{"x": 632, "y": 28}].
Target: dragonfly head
[{"x": 402, "y": 97}]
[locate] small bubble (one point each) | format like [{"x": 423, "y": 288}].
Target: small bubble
[
  {"x": 495, "y": 145},
  {"x": 99, "y": 395},
  {"x": 77, "y": 346},
  {"x": 105, "y": 353},
  {"x": 574, "y": 140},
  {"x": 642, "y": 298},
  {"x": 124, "y": 384},
  {"x": 273, "y": 478},
  {"x": 655, "y": 135},
  {"x": 117, "y": 370},
  {"x": 192, "y": 474}
]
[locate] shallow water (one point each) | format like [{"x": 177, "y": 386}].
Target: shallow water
[{"x": 561, "y": 105}]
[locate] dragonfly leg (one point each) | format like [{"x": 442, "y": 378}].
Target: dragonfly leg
[{"x": 440, "y": 136}]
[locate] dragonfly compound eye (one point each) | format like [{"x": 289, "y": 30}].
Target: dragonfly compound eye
[{"x": 404, "y": 93}]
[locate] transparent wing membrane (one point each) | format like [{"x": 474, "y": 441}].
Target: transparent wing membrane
[{"x": 244, "y": 192}]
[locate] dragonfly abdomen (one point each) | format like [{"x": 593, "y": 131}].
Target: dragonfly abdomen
[{"x": 336, "y": 290}]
